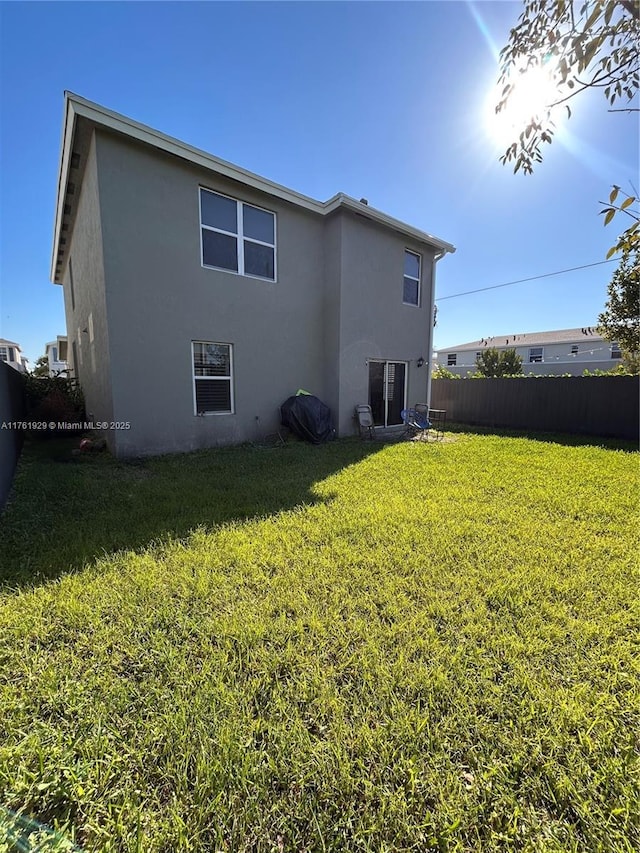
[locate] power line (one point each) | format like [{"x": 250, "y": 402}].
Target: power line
[{"x": 521, "y": 280}]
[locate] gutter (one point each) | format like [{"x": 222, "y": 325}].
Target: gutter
[{"x": 429, "y": 364}]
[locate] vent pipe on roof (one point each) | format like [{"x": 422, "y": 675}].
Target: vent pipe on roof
[{"x": 364, "y": 201}]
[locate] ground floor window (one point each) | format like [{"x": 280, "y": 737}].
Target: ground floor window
[{"x": 212, "y": 378}]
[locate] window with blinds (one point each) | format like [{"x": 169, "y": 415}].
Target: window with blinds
[{"x": 212, "y": 378}]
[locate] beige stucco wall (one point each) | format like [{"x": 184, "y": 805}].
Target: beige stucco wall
[
  {"x": 86, "y": 260},
  {"x": 374, "y": 322},
  {"x": 161, "y": 299},
  {"x": 336, "y": 304}
]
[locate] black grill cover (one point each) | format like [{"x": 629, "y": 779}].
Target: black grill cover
[{"x": 308, "y": 418}]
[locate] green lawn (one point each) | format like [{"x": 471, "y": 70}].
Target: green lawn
[{"x": 354, "y": 647}]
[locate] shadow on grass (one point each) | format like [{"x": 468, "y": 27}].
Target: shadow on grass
[
  {"x": 548, "y": 437},
  {"x": 67, "y": 510}
]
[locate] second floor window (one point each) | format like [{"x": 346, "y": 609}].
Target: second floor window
[
  {"x": 411, "y": 286},
  {"x": 535, "y": 355},
  {"x": 237, "y": 237},
  {"x": 451, "y": 359},
  {"x": 615, "y": 351}
]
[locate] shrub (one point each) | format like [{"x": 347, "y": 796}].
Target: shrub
[
  {"x": 441, "y": 372},
  {"x": 494, "y": 363},
  {"x": 53, "y": 399}
]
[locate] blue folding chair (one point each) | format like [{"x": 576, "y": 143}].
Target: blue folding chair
[{"x": 417, "y": 424}]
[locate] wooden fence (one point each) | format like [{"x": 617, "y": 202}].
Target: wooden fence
[
  {"x": 606, "y": 406},
  {"x": 11, "y": 409}
]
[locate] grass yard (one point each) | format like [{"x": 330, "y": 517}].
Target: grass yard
[{"x": 356, "y": 647}]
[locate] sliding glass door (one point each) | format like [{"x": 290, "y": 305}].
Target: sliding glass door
[{"x": 387, "y": 391}]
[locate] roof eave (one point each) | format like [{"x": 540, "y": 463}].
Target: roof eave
[
  {"x": 63, "y": 169},
  {"x": 76, "y": 107}
]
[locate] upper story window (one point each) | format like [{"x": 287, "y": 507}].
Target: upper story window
[
  {"x": 4, "y": 354},
  {"x": 574, "y": 349},
  {"x": 452, "y": 357},
  {"x": 411, "y": 287},
  {"x": 54, "y": 353},
  {"x": 535, "y": 354},
  {"x": 212, "y": 378},
  {"x": 237, "y": 237},
  {"x": 615, "y": 350}
]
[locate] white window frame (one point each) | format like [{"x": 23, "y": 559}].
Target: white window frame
[
  {"x": 454, "y": 356},
  {"x": 535, "y": 359},
  {"x": 228, "y": 378},
  {"x": 574, "y": 349},
  {"x": 4, "y": 353},
  {"x": 239, "y": 236},
  {"x": 412, "y": 278}
]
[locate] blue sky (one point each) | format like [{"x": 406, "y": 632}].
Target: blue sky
[{"x": 382, "y": 100}]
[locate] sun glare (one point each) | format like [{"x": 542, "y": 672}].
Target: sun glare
[{"x": 534, "y": 90}]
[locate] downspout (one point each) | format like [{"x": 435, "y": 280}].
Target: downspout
[{"x": 429, "y": 358}]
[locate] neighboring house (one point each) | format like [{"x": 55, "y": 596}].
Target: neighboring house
[
  {"x": 56, "y": 353},
  {"x": 11, "y": 354},
  {"x": 543, "y": 353},
  {"x": 199, "y": 296}
]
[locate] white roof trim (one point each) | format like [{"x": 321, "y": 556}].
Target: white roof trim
[{"x": 75, "y": 106}]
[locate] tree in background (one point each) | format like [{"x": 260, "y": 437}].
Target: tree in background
[
  {"x": 494, "y": 363},
  {"x": 510, "y": 362},
  {"x": 41, "y": 370},
  {"x": 620, "y": 320},
  {"x": 595, "y": 45},
  {"x": 441, "y": 372}
]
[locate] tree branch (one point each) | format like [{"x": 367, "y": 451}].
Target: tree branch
[
  {"x": 632, "y": 8},
  {"x": 630, "y": 213},
  {"x": 629, "y": 110}
]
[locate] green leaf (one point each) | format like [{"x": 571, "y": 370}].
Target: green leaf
[
  {"x": 591, "y": 51},
  {"x": 627, "y": 202},
  {"x": 593, "y": 17},
  {"x": 610, "y": 214},
  {"x": 612, "y": 252},
  {"x": 613, "y": 195},
  {"x": 608, "y": 12}
]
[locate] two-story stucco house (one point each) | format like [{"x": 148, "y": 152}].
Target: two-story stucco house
[
  {"x": 11, "y": 354},
  {"x": 199, "y": 296},
  {"x": 558, "y": 352},
  {"x": 56, "y": 354}
]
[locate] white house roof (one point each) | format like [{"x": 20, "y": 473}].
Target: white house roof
[
  {"x": 6, "y": 343},
  {"x": 529, "y": 339},
  {"x": 79, "y": 111}
]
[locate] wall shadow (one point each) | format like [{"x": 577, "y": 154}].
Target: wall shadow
[
  {"x": 564, "y": 439},
  {"x": 67, "y": 510}
]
